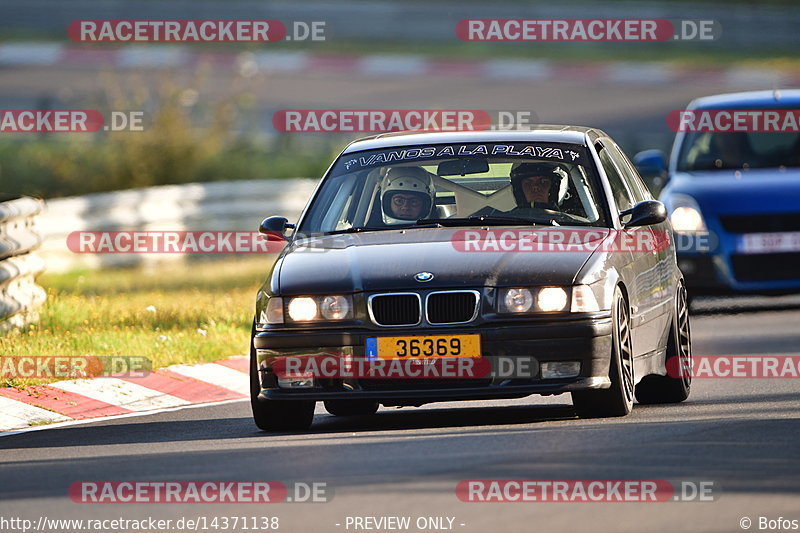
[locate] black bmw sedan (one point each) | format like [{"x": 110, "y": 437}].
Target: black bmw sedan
[{"x": 472, "y": 265}]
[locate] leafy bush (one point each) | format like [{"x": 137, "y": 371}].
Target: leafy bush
[{"x": 182, "y": 142}]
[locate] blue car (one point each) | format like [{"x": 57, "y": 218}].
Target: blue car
[{"x": 733, "y": 197}]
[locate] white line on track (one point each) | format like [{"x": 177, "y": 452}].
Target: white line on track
[
  {"x": 219, "y": 375},
  {"x": 121, "y": 393},
  {"x": 13, "y": 412},
  {"x": 114, "y": 417}
]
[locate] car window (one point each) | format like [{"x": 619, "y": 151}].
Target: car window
[
  {"x": 622, "y": 196},
  {"x": 397, "y": 187},
  {"x": 738, "y": 150},
  {"x": 638, "y": 189}
]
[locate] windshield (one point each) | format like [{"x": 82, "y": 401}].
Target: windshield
[
  {"x": 739, "y": 150},
  {"x": 458, "y": 184}
]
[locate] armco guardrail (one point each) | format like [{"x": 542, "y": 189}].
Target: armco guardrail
[
  {"x": 215, "y": 206},
  {"x": 20, "y": 296}
]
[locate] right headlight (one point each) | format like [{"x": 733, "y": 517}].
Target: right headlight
[
  {"x": 302, "y": 309},
  {"x": 335, "y": 307},
  {"x": 320, "y": 308},
  {"x": 685, "y": 215}
]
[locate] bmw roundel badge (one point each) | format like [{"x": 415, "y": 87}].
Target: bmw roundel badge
[{"x": 422, "y": 277}]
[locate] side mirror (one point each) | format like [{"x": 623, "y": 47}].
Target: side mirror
[
  {"x": 275, "y": 228},
  {"x": 645, "y": 213},
  {"x": 650, "y": 163}
]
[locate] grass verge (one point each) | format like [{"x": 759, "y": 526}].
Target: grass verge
[{"x": 187, "y": 313}]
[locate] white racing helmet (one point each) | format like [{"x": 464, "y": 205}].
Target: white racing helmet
[{"x": 412, "y": 181}]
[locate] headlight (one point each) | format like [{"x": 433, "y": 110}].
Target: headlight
[
  {"x": 687, "y": 220},
  {"x": 522, "y": 300},
  {"x": 335, "y": 307},
  {"x": 685, "y": 216},
  {"x": 307, "y": 308},
  {"x": 516, "y": 301},
  {"x": 302, "y": 309},
  {"x": 551, "y": 299},
  {"x": 273, "y": 314},
  {"x": 583, "y": 300}
]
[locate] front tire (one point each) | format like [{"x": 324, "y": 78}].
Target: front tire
[
  {"x": 676, "y": 385},
  {"x": 276, "y": 415},
  {"x": 617, "y": 400}
]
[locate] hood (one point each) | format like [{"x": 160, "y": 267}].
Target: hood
[
  {"x": 388, "y": 260},
  {"x": 740, "y": 192}
]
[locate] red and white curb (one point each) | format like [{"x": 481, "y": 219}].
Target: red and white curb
[
  {"x": 160, "y": 56},
  {"x": 101, "y": 397}
]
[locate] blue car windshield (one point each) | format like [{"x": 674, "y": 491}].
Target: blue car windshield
[{"x": 701, "y": 151}]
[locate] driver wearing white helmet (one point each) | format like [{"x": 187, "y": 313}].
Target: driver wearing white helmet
[{"x": 407, "y": 194}]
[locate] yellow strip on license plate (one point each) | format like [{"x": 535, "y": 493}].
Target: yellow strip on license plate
[{"x": 424, "y": 347}]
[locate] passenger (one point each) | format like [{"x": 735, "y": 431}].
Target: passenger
[{"x": 407, "y": 194}]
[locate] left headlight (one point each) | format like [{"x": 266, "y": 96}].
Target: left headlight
[
  {"x": 551, "y": 299},
  {"x": 519, "y": 300},
  {"x": 315, "y": 308}
]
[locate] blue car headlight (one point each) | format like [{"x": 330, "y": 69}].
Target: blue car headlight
[{"x": 685, "y": 215}]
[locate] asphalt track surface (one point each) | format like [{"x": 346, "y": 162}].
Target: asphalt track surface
[{"x": 742, "y": 434}]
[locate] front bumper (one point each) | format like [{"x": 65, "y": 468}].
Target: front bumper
[
  {"x": 723, "y": 269},
  {"x": 586, "y": 340}
]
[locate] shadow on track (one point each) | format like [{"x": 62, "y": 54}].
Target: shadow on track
[
  {"x": 735, "y": 305},
  {"x": 141, "y": 430},
  {"x": 757, "y": 455}
]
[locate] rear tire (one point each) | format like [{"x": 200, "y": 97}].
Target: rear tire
[
  {"x": 276, "y": 415},
  {"x": 676, "y": 385},
  {"x": 617, "y": 400},
  {"x": 351, "y": 407}
]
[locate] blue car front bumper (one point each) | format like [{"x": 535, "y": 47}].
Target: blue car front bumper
[{"x": 718, "y": 264}]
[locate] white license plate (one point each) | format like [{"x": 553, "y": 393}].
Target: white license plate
[{"x": 769, "y": 243}]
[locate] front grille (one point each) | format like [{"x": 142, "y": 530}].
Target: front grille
[
  {"x": 451, "y": 307},
  {"x": 766, "y": 267},
  {"x": 761, "y": 223},
  {"x": 395, "y": 309},
  {"x": 381, "y": 384}
]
